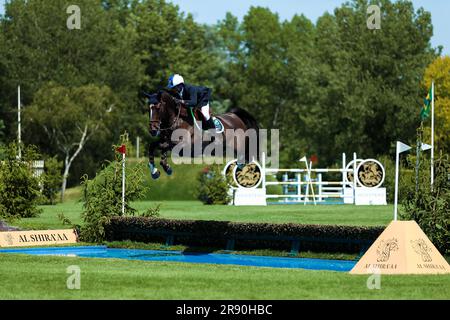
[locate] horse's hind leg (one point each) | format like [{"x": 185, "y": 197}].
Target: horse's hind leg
[
  {"x": 164, "y": 163},
  {"x": 151, "y": 161}
]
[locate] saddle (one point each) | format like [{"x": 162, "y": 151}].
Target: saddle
[{"x": 186, "y": 113}]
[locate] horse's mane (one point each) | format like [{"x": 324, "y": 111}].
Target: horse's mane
[{"x": 166, "y": 92}]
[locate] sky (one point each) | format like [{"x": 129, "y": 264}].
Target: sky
[{"x": 210, "y": 11}]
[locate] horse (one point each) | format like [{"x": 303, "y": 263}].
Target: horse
[{"x": 166, "y": 115}]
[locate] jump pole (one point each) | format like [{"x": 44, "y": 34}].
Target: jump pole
[
  {"x": 355, "y": 173},
  {"x": 344, "y": 166}
]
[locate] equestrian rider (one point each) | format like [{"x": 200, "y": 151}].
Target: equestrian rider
[{"x": 193, "y": 97}]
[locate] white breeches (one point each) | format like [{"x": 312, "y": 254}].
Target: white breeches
[{"x": 205, "y": 112}]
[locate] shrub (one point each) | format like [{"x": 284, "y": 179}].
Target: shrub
[
  {"x": 19, "y": 189},
  {"x": 103, "y": 197},
  {"x": 213, "y": 186},
  {"x": 52, "y": 179},
  {"x": 430, "y": 207},
  {"x": 318, "y": 238},
  {"x": 404, "y": 179},
  {"x": 152, "y": 212}
]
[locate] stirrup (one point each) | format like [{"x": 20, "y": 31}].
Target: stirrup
[{"x": 219, "y": 126}]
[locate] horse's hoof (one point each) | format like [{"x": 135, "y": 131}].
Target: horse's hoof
[
  {"x": 156, "y": 175},
  {"x": 169, "y": 171}
]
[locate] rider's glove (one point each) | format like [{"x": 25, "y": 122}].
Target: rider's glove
[{"x": 178, "y": 101}]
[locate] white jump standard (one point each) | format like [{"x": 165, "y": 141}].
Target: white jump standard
[{"x": 365, "y": 189}]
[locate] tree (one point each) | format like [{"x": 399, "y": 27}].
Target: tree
[
  {"x": 70, "y": 117},
  {"x": 439, "y": 71},
  {"x": 52, "y": 179},
  {"x": 382, "y": 88},
  {"x": 19, "y": 188},
  {"x": 335, "y": 86},
  {"x": 36, "y": 47},
  {"x": 168, "y": 41}
]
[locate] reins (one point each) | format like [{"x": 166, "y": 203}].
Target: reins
[
  {"x": 194, "y": 120},
  {"x": 173, "y": 122}
]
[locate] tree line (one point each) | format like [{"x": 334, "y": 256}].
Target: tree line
[{"x": 329, "y": 86}]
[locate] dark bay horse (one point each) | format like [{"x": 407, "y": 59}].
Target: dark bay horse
[{"x": 166, "y": 116}]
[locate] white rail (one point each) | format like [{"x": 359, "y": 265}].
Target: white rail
[{"x": 326, "y": 189}]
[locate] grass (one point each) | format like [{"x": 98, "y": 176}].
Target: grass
[
  {"x": 181, "y": 185},
  {"x": 45, "y": 278},
  {"x": 195, "y": 210},
  {"x": 48, "y": 219},
  {"x": 341, "y": 214}
]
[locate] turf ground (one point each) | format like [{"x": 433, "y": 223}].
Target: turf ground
[
  {"x": 31, "y": 277},
  {"x": 195, "y": 210},
  {"x": 27, "y": 277}
]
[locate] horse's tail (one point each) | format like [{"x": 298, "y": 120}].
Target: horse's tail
[{"x": 251, "y": 123}]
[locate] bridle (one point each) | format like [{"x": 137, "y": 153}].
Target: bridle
[{"x": 174, "y": 122}]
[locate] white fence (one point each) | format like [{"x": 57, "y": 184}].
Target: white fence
[
  {"x": 308, "y": 186},
  {"x": 309, "y": 190},
  {"x": 38, "y": 168}
]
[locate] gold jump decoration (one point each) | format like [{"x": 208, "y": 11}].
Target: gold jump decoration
[
  {"x": 370, "y": 174},
  {"x": 249, "y": 176}
]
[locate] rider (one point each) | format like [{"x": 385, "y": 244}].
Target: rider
[{"x": 194, "y": 96}]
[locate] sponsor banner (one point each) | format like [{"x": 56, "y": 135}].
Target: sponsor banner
[
  {"x": 402, "y": 248},
  {"x": 250, "y": 197},
  {"x": 37, "y": 238}
]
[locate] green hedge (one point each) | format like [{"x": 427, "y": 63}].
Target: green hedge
[{"x": 317, "y": 238}]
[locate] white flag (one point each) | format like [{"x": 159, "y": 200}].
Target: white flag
[
  {"x": 425, "y": 147},
  {"x": 401, "y": 147}
]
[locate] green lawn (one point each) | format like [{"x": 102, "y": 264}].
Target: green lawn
[
  {"x": 31, "y": 277},
  {"x": 325, "y": 214}
]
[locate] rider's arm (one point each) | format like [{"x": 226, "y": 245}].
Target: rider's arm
[{"x": 192, "y": 91}]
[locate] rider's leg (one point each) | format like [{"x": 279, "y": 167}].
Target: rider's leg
[
  {"x": 205, "y": 112},
  {"x": 209, "y": 121}
]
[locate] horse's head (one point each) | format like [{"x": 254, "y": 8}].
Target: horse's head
[{"x": 163, "y": 114}]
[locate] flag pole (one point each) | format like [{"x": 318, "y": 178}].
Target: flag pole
[
  {"x": 123, "y": 183},
  {"x": 400, "y": 148},
  {"x": 397, "y": 167},
  {"x": 418, "y": 149},
  {"x": 19, "y": 129},
  {"x": 432, "y": 134}
]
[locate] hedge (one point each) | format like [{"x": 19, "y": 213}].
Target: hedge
[{"x": 233, "y": 235}]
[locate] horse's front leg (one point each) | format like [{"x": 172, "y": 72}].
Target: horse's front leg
[
  {"x": 164, "y": 163},
  {"x": 151, "y": 161}
]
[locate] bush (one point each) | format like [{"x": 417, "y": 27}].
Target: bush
[
  {"x": 213, "y": 186},
  {"x": 318, "y": 238},
  {"x": 103, "y": 197},
  {"x": 152, "y": 212},
  {"x": 19, "y": 189},
  {"x": 430, "y": 207},
  {"x": 52, "y": 179},
  {"x": 404, "y": 178}
]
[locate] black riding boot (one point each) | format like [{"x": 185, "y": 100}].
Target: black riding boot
[{"x": 210, "y": 124}]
